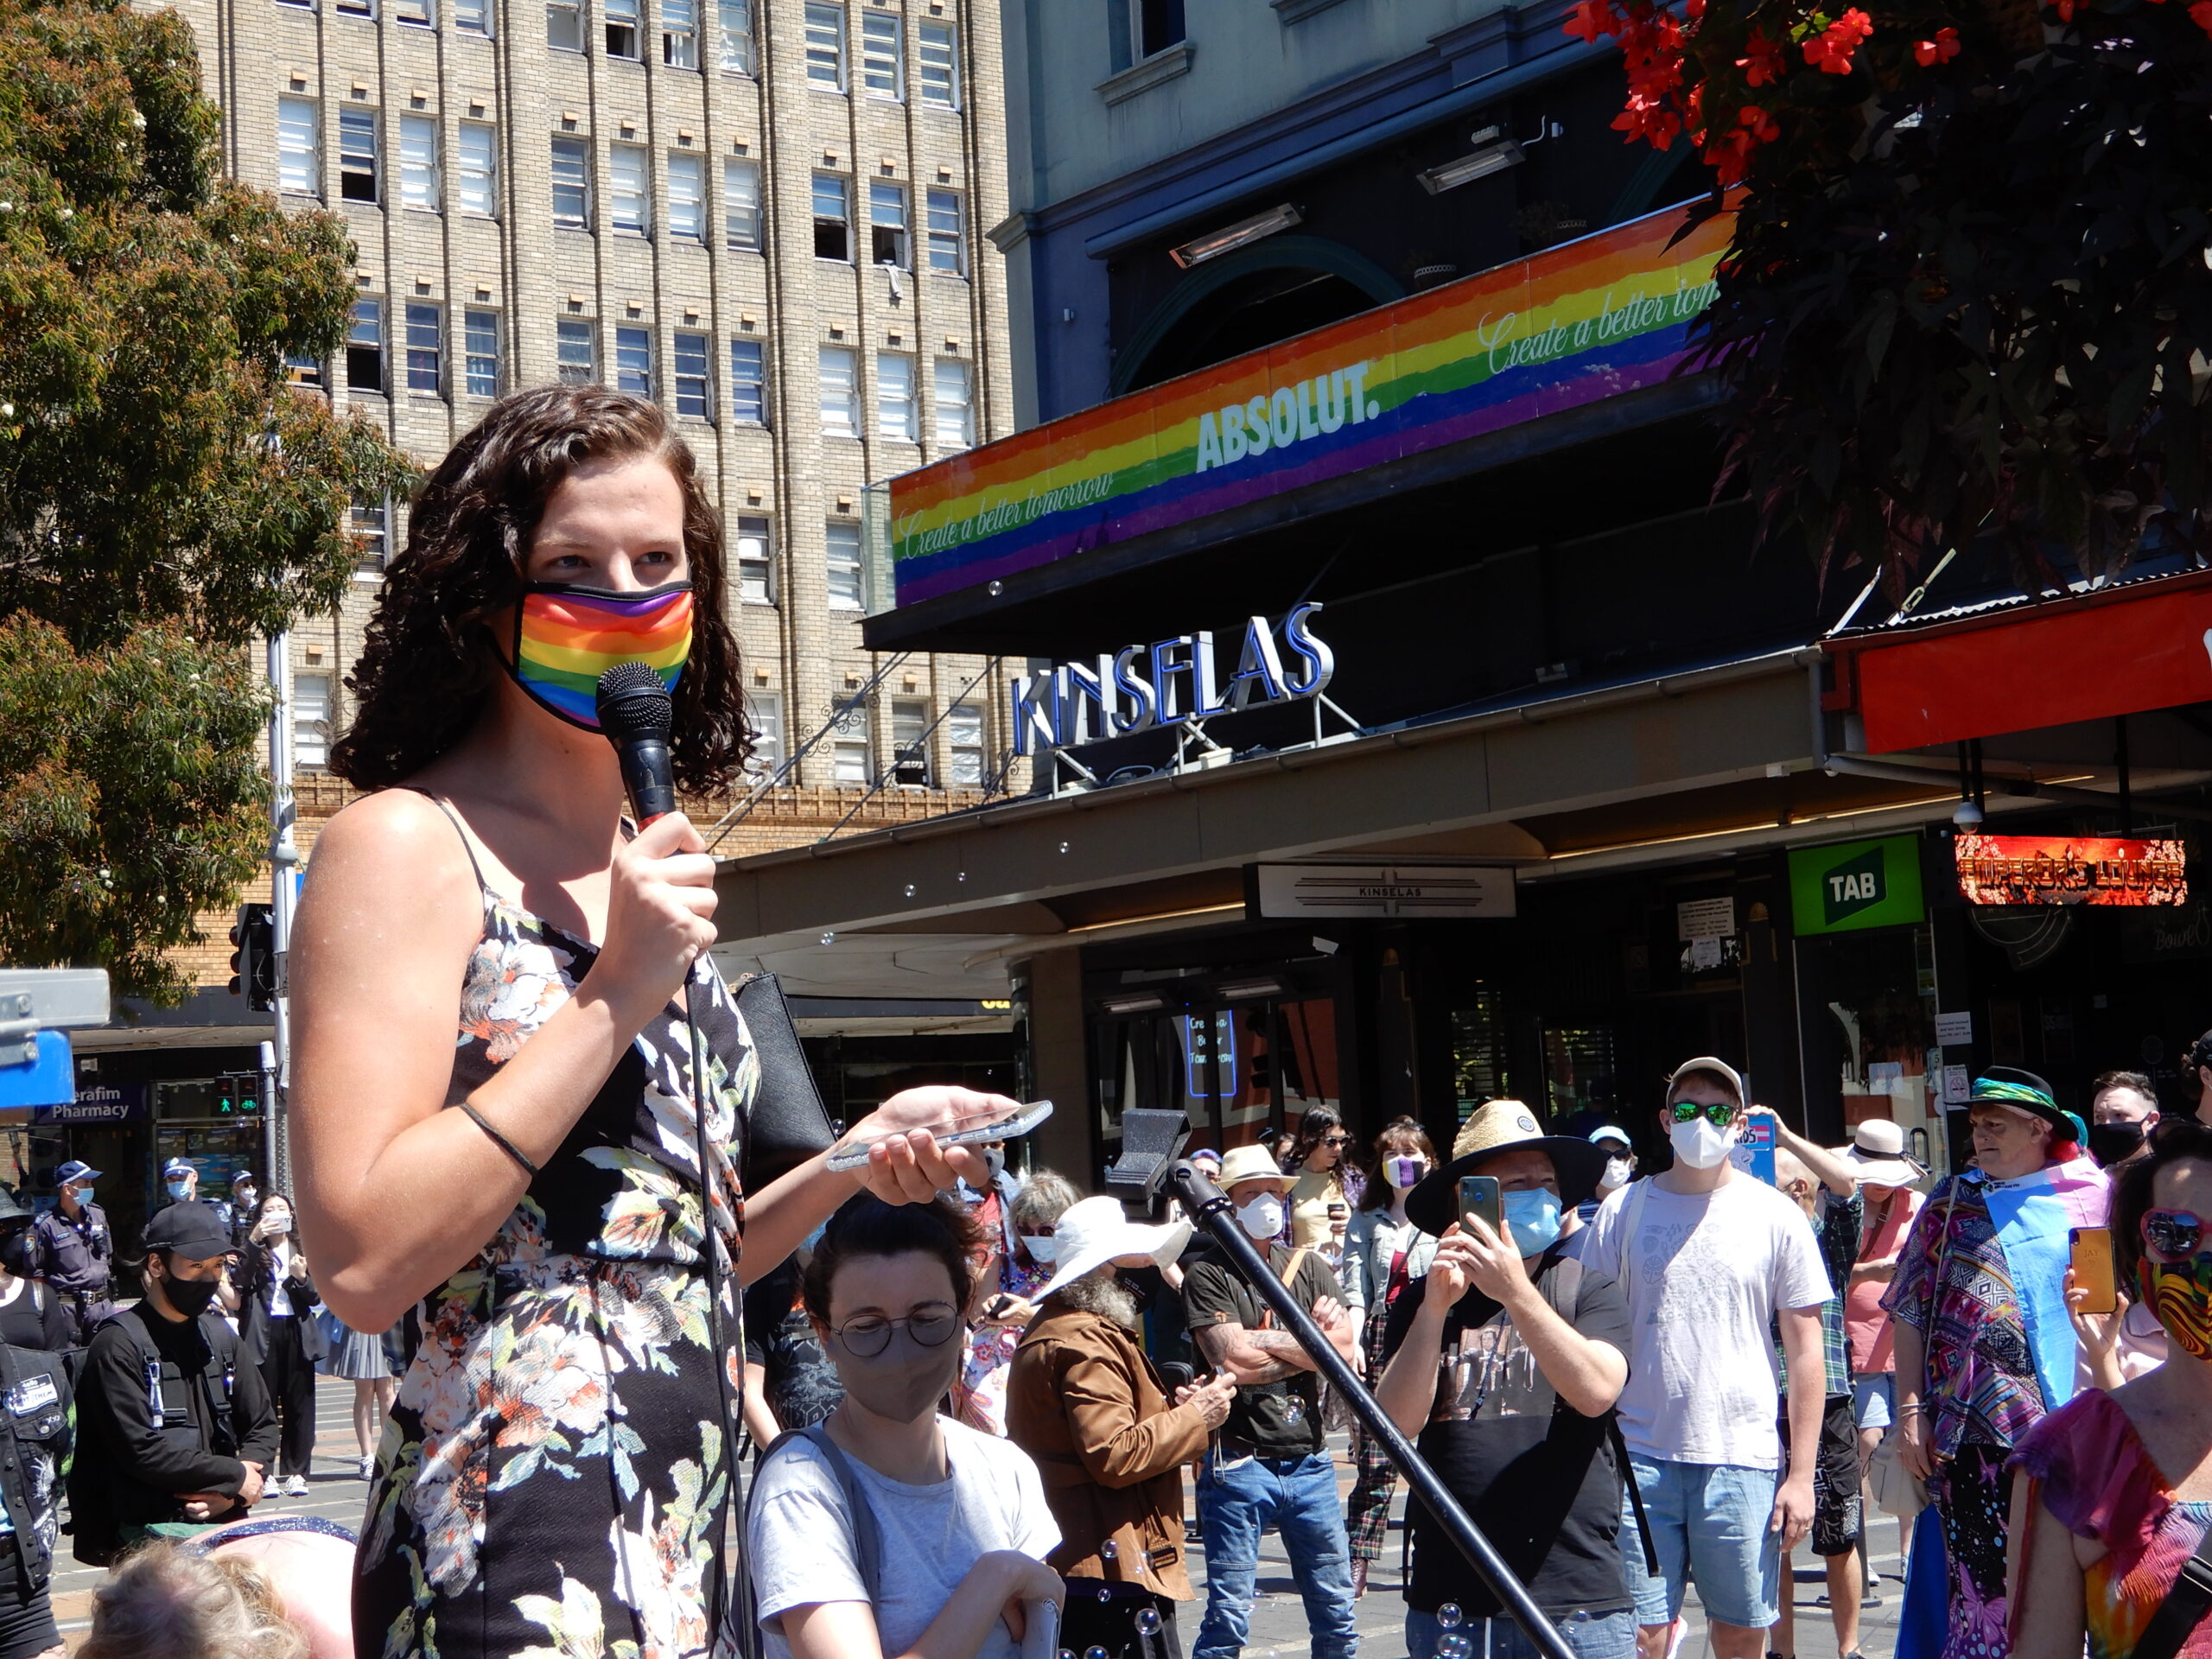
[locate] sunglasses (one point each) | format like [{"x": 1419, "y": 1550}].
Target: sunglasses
[
  {"x": 1336, "y": 1139},
  {"x": 869, "y": 1335},
  {"x": 1720, "y": 1114},
  {"x": 2173, "y": 1237}
]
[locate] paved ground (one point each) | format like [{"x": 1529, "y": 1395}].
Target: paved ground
[{"x": 335, "y": 1490}]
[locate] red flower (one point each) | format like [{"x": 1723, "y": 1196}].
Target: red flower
[
  {"x": 1592, "y": 19},
  {"x": 1693, "y": 9},
  {"x": 1945, "y": 46},
  {"x": 1762, "y": 128},
  {"x": 1763, "y": 63},
  {"x": 1832, "y": 50},
  {"x": 2200, "y": 14},
  {"x": 1649, "y": 119}
]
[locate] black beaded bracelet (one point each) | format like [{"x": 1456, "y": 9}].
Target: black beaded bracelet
[{"x": 498, "y": 1139}]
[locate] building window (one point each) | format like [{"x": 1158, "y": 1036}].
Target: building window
[
  {"x": 421, "y": 13},
  {"x": 883, "y": 67},
  {"x": 687, "y": 197},
  {"x": 473, "y": 16},
  {"x": 299, "y": 150},
  {"x": 425, "y": 329},
  {"x": 633, "y": 361},
  {"x": 303, "y": 369},
  {"x": 694, "y": 380},
  {"x": 840, "y": 397},
  {"x": 310, "y": 720},
  {"x": 477, "y": 157},
  {"x": 963, "y": 745},
  {"x": 481, "y": 349},
  {"x": 679, "y": 33},
  {"x": 629, "y": 186},
  {"x": 909, "y": 755},
  {"x": 369, "y": 524},
  {"x": 895, "y": 397},
  {"x": 621, "y": 28},
  {"x": 358, "y": 7},
  {"x": 826, "y": 46},
  {"x": 1138, "y": 28},
  {"x": 847, "y": 591},
  {"x": 418, "y": 162},
  {"x": 955, "y": 405},
  {"x": 564, "y": 25},
  {"x": 756, "y": 563},
  {"x": 887, "y": 223},
  {"x": 940, "y": 60},
  {"x": 833, "y": 229},
  {"x": 749, "y": 382},
  {"x": 357, "y": 154},
  {"x": 948, "y": 234},
  {"x": 737, "y": 37},
  {"x": 852, "y": 768},
  {"x": 365, "y": 346},
  {"x": 764, "y": 713},
  {"x": 576, "y": 351},
  {"x": 571, "y": 184},
  {"x": 741, "y": 204}
]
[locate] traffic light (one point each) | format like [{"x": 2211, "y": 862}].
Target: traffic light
[{"x": 253, "y": 957}]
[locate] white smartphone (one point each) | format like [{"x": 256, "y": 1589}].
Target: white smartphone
[{"x": 961, "y": 1133}]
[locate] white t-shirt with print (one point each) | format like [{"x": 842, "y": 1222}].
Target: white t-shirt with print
[
  {"x": 1705, "y": 1275},
  {"x": 799, "y": 1545}
]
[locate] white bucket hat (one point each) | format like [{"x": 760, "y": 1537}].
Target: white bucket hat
[
  {"x": 1877, "y": 1154},
  {"x": 1093, "y": 1232}
]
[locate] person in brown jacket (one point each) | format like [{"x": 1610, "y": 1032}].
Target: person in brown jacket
[{"x": 1084, "y": 1403}]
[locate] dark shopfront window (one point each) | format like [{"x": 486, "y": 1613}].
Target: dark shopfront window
[{"x": 1239, "y": 1072}]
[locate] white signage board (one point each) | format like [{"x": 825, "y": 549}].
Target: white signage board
[
  {"x": 1955, "y": 1030},
  {"x": 1319, "y": 891},
  {"x": 1704, "y": 919}
]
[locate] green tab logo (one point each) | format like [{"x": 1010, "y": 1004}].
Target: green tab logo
[{"x": 1855, "y": 885}]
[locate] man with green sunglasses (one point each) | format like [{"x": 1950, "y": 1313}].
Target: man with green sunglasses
[{"x": 1711, "y": 1258}]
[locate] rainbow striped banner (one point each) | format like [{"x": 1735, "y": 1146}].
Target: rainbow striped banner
[{"x": 1569, "y": 327}]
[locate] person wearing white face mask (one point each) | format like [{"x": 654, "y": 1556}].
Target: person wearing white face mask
[
  {"x": 1383, "y": 1251},
  {"x": 1709, "y": 1257},
  {"x": 277, "y": 1332},
  {"x": 1004, "y": 1300},
  {"x": 1620, "y": 1166},
  {"x": 1267, "y": 1464}
]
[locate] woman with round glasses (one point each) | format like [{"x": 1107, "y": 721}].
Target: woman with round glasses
[
  {"x": 948, "y": 1559},
  {"x": 1323, "y": 1172},
  {"x": 2118, "y": 1493}
]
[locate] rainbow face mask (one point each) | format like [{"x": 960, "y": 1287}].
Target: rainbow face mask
[
  {"x": 2175, "y": 1278},
  {"x": 567, "y": 636}
]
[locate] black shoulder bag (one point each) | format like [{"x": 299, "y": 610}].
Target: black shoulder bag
[{"x": 2183, "y": 1609}]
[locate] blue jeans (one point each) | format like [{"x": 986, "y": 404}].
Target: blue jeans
[
  {"x": 1606, "y": 1636},
  {"x": 1708, "y": 1523},
  {"x": 1298, "y": 1498}
]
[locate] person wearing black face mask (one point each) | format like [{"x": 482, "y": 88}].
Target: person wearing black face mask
[
  {"x": 175, "y": 1431},
  {"x": 2123, "y": 1108}
]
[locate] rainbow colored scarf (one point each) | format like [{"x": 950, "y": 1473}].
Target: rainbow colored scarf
[{"x": 566, "y": 637}]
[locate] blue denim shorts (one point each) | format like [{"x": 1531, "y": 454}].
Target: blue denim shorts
[
  {"x": 1607, "y": 1635},
  {"x": 1709, "y": 1526},
  {"x": 1874, "y": 1400}
]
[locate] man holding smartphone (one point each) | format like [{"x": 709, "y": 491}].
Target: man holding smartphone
[
  {"x": 1504, "y": 1360},
  {"x": 1711, "y": 1259}
]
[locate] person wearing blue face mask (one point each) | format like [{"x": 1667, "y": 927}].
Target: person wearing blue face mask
[{"x": 1504, "y": 1361}]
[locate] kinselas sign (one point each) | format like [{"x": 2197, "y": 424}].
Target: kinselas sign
[{"x": 1186, "y": 677}]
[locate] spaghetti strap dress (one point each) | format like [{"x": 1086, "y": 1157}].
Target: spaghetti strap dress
[{"x": 551, "y": 1480}]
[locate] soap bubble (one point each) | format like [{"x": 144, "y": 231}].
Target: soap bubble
[
  {"x": 1109, "y": 1550},
  {"x": 1454, "y": 1646},
  {"x": 829, "y": 939},
  {"x": 995, "y": 589},
  {"x": 1066, "y": 1653},
  {"x": 1097, "y": 1653},
  {"x": 1148, "y": 1621},
  {"x": 910, "y": 889},
  {"x": 1448, "y": 1617}
]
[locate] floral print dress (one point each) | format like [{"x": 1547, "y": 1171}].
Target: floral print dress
[{"x": 551, "y": 1481}]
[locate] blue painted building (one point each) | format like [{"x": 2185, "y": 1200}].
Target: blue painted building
[{"x": 1191, "y": 179}]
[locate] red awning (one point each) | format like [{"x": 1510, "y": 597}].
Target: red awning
[{"x": 2122, "y": 651}]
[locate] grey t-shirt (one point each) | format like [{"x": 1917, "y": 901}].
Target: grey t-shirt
[{"x": 799, "y": 1542}]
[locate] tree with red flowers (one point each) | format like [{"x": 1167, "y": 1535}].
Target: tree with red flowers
[{"x": 1968, "y": 302}]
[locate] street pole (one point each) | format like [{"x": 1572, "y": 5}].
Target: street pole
[
  {"x": 269, "y": 1117},
  {"x": 283, "y": 863}
]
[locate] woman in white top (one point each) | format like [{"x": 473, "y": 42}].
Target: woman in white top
[
  {"x": 1382, "y": 1252},
  {"x": 948, "y": 1561},
  {"x": 277, "y": 1332}
]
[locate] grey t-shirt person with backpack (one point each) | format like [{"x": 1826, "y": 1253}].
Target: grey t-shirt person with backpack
[{"x": 889, "y": 1527}]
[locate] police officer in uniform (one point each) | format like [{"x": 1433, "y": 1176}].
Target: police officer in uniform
[
  {"x": 174, "y": 1432},
  {"x": 76, "y": 1252}
]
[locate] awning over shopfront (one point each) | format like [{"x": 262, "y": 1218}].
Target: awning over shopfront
[
  {"x": 2024, "y": 664},
  {"x": 1575, "y": 343}
]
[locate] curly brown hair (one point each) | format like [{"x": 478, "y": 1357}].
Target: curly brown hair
[{"x": 429, "y": 662}]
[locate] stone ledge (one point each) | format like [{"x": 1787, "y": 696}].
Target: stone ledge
[{"x": 1156, "y": 70}]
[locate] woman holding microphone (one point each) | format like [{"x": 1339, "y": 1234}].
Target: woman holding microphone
[{"x": 491, "y": 1055}]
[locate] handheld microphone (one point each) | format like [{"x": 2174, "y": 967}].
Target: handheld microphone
[{"x": 637, "y": 714}]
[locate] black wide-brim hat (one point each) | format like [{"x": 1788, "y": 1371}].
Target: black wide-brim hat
[
  {"x": 1504, "y": 1126},
  {"x": 2023, "y": 1091}
]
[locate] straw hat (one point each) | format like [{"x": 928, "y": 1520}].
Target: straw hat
[
  {"x": 1502, "y": 1126},
  {"x": 1094, "y": 1231},
  {"x": 1251, "y": 1164},
  {"x": 1877, "y": 1154}
]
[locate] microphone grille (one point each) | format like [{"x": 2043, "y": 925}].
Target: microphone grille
[{"x": 635, "y": 703}]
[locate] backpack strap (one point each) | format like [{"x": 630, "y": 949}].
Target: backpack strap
[
  {"x": 2184, "y": 1608},
  {"x": 1643, "y": 1521},
  {"x": 860, "y": 1515}
]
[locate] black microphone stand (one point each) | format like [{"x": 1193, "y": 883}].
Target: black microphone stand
[{"x": 1208, "y": 1205}]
